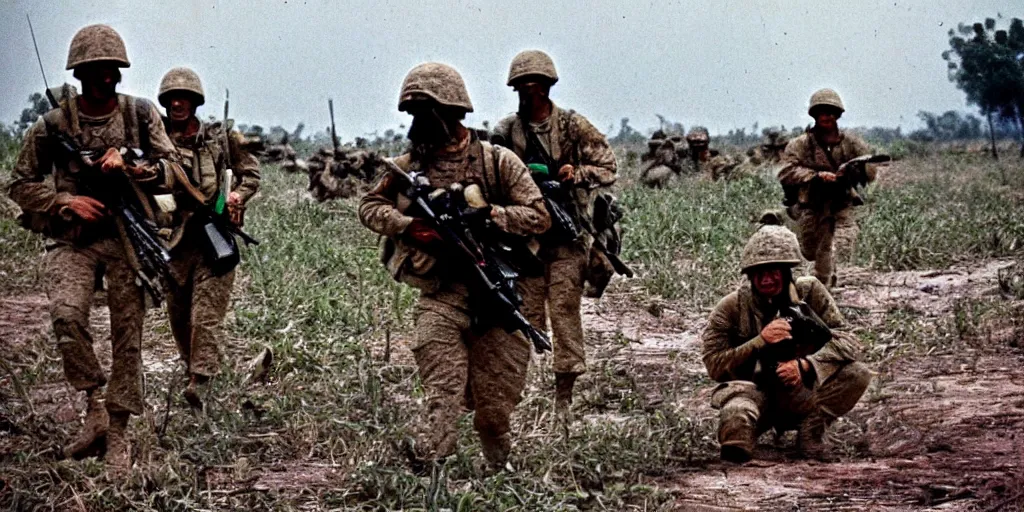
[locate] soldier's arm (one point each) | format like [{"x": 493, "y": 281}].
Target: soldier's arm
[
  {"x": 794, "y": 170},
  {"x": 844, "y": 347},
  {"x": 524, "y": 213},
  {"x": 378, "y": 211},
  {"x": 28, "y": 187},
  {"x": 502, "y": 134},
  {"x": 246, "y": 166},
  {"x": 720, "y": 358},
  {"x": 597, "y": 159},
  {"x": 156, "y": 176}
]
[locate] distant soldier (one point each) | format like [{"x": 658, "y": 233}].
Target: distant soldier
[
  {"x": 562, "y": 145},
  {"x": 197, "y": 304},
  {"x": 818, "y": 198},
  {"x": 661, "y": 162},
  {"x": 767, "y": 156},
  {"x": 458, "y": 368},
  {"x": 776, "y": 370},
  {"x": 88, "y": 236},
  {"x": 703, "y": 159}
]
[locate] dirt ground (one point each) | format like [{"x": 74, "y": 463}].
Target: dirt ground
[{"x": 938, "y": 429}]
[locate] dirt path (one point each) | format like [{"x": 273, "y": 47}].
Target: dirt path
[{"x": 940, "y": 432}]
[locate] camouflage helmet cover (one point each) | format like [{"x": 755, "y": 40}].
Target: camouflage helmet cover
[
  {"x": 532, "y": 63},
  {"x": 775, "y": 137},
  {"x": 181, "y": 79},
  {"x": 698, "y": 135},
  {"x": 825, "y": 97},
  {"x": 435, "y": 81},
  {"x": 772, "y": 243},
  {"x": 97, "y": 43}
]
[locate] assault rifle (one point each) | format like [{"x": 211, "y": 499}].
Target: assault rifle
[
  {"x": 492, "y": 266},
  {"x": 809, "y": 335}
]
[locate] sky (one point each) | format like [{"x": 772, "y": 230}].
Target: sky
[{"x": 722, "y": 64}]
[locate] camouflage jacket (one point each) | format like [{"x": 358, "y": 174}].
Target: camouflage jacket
[
  {"x": 717, "y": 166},
  {"x": 732, "y": 339},
  {"x": 569, "y": 138},
  {"x": 506, "y": 184},
  {"x": 805, "y": 157},
  {"x": 203, "y": 159},
  {"x": 135, "y": 124}
]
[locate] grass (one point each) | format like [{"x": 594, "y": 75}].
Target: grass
[{"x": 333, "y": 405}]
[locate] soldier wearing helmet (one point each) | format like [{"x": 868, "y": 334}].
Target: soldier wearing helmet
[
  {"x": 196, "y": 307},
  {"x": 807, "y": 393},
  {"x": 818, "y": 199},
  {"x": 87, "y": 237},
  {"x": 560, "y": 145},
  {"x": 703, "y": 159},
  {"x": 458, "y": 369},
  {"x": 767, "y": 155}
]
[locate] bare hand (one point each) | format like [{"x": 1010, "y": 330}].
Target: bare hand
[
  {"x": 778, "y": 330},
  {"x": 566, "y": 173},
  {"x": 111, "y": 161},
  {"x": 235, "y": 198},
  {"x": 827, "y": 177},
  {"x": 789, "y": 373},
  {"x": 86, "y": 208}
]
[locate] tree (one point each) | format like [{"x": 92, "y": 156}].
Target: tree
[
  {"x": 987, "y": 64},
  {"x": 38, "y": 105}
]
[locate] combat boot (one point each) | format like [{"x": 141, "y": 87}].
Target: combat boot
[
  {"x": 736, "y": 435},
  {"x": 564, "y": 383},
  {"x": 810, "y": 439},
  {"x": 496, "y": 450},
  {"x": 192, "y": 390},
  {"x": 92, "y": 438},
  {"x": 119, "y": 448}
]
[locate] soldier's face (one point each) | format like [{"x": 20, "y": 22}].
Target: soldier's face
[
  {"x": 99, "y": 80},
  {"x": 180, "y": 107},
  {"x": 767, "y": 281},
  {"x": 826, "y": 118},
  {"x": 531, "y": 93}
]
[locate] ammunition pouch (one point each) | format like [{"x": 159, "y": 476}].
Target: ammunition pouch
[{"x": 409, "y": 265}]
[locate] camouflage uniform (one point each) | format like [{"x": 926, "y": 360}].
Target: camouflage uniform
[
  {"x": 80, "y": 247},
  {"x": 823, "y": 211},
  {"x": 767, "y": 156},
  {"x": 704, "y": 160},
  {"x": 568, "y": 138},
  {"x": 458, "y": 369},
  {"x": 661, "y": 163},
  {"x": 197, "y": 304},
  {"x": 732, "y": 341}
]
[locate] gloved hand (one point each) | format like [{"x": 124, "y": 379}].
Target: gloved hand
[
  {"x": 422, "y": 232},
  {"x": 85, "y": 208},
  {"x": 111, "y": 161},
  {"x": 776, "y": 331}
]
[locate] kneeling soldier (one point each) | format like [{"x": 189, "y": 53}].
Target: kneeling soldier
[{"x": 779, "y": 349}]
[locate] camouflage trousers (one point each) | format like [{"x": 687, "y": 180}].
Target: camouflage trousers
[
  {"x": 70, "y": 273},
  {"x": 196, "y": 307},
  {"x": 824, "y": 236},
  {"x": 747, "y": 410},
  {"x": 462, "y": 371},
  {"x": 558, "y": 294}
]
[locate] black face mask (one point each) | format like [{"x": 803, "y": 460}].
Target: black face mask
[{"x": 429, "y": 130}]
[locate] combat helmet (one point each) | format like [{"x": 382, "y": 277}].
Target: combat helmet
[
  {"x": 825, "y": 97},
  {"x": 698, "y": 135},
  {"x": 181, "y": 79},
  {"x": 771, "y": 244},
  {"x": 436, "y": 81},
  {"x": 532, "y": 63},
  {"x": 97, "y": 43},
  {"x": 775, "y": 138}
]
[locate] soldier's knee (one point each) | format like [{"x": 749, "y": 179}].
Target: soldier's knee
[
  {"x": 848, "y": 386},
  {"x": 491, "y": 421}
]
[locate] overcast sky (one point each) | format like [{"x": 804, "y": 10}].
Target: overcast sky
[{"x": 724, "y": 63}]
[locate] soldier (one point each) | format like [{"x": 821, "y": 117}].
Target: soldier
[
  {"x": 197, "y": 304},
  {"x": 807, "y": 393},
  {"x": 661, "y": 162},
  {"x": 703, "y": 158},
  {"x": 458, "y": 369},
  {"x": 820, "y": 201},
  {"x": 563, "y": 142},
  {"x": 766, "y": 156},
  {"x": 87, "y": 236}
]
